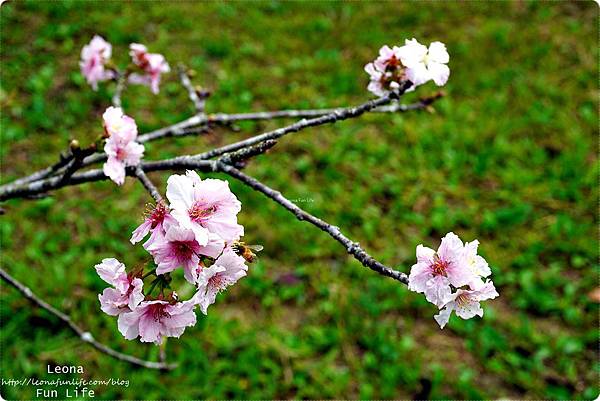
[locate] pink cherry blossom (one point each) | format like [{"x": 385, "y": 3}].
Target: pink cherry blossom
[
  {"x": 476, "y": 263},
  {"x": 204, "y": 206},
  {"x": 226, "y": 271},
  {"x": 423, "y": 64},
  {"x": 120, "y": 147},
  {"x": 466, "y": 303},
  {"x": 434, "y": 272},
  {"x": 153, "y": 221},
  {"x": 386, "y": 72},
  {"x": 177, "y": 246},
  {"x": 94, "y": 56},
  {"x": 138, "y": 53},
  {"x": 119, "y": 126},
  {"x": 120, "y": 156},
  {"x": 375, "y": 85},
  {"x": 154, "y": 320},
  {"x": 152, "y": 64},
  {"x": 127, "y": 291},
  {"x": 389, "y": 58}
]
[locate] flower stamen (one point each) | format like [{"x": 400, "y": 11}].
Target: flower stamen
[{"x": 199, "y": 212}]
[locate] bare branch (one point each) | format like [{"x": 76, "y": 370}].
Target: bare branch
[
  {"x": 78, "y": 155},
  {"x": 47, "y": 184},
  {"x": 396, "y": 107},
  {"x": 64, "y": 159},
  {"x": 246, "y": 153},
  {"x": 337, "y": 115},
  {"x": 121, "y": 82},
  {"x": 176, "y": 163},
  {"x": 197, "y": 98},
  {"x": 85, "y": 336},
  {"x": 172, "y": 130},
  {"x": 148, "y": 184},
  {"x": 352, "y": 247}
]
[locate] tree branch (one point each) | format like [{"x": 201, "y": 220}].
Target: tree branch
[
  {"x": 85, "y": 336},
  {"x": 176, "y": 163},
  {"x": 197, "y": 98},
  {"x": 311, "y": 113},
  {"x": 148, "y": 184},
  {"x": 10, "y": 191},
  {"x": 198, "y": 124},
  {"x": 352, "y": 247},
  {"x": 337, "y": 115},
  {"x": 121, "y": 82}
]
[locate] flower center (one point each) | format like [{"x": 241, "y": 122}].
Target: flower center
[
  {"x": 200, "y": 212},
  {"x": 121, "y": 154},
  {"x": 158, "y": 214},
  {"x": 463, "y": 299},
  {"x": 394, "y": 73},
  {"x": 218, "y": 282},
  {"x": 439, "y": 267},
  {"x": 392, "y": 64},
  {"x": 182, "y": 249},
  {"x": 157, "y": 311}
]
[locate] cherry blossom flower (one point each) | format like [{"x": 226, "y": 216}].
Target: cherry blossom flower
[
  {"x": 119, "y": 157},
  {"x": 466, "y": 303},
  {"x": 413, "y": 62},
  {"x": 423, "y": 64},
  {"x": 389, "y": 58},
  {"x": 476, "y": 263},
  {"x": 434, "y": 272},
  {"x": 121, "y": 148},
  {"x": 204, "y": 206},
  {"x": 226, "y": 271},
  {"x": 153, "y": 221},
  {"x": 94, "y": 57},
  {"x": 127, "y": 291},
  {"x": 178, "y": 247},
  {"x": 152, "y": 64},
  {"x": 154, "y": 320},
  {"x": 139, "y": 54},
  {"x": 386, "y": 72},
  {"x": 119, "y": 126}
]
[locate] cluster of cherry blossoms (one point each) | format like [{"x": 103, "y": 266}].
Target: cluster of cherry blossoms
[
  {"x": 146, "y": 68},
  {"x": 120, "y": 147},
  {"x": 455, "y": 266},
  {"x": 413, "y": 61},
  {"x": 198, "y": 232}
]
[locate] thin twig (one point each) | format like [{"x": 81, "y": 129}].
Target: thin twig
[
  {"x": 85, "y": 336},
  {"x": 64, "y": 159},
  {"x": 192, "y": 93},
  {"x": 243, "y": 154},
  {"x": 352, "y": 247},
  {"x": 337, "y": 115},
  {"x": 148, "y": 184},
  {"x": 121, "y": 82},
  {"x": 396, "y": 107}
]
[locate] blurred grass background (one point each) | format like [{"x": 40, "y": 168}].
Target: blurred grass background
[{"x": 509, "y": 157}]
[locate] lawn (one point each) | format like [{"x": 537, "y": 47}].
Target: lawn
[{"x": 509, "y": 157}]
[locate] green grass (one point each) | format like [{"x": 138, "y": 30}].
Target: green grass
[{"x": 509, "y": 157}]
